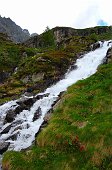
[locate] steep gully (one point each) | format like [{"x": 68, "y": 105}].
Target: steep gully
[{"x": 21, "y": 131}]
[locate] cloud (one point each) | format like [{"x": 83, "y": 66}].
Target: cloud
[
  {"x": 88, "y": 16},
  {"x": 92, "y": 14},
  {"x": 102, "y": 23},
  {"x": 35, "y": 15}
]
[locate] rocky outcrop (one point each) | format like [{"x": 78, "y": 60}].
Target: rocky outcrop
[
  {"x": 4, "y": 146},
  {"x": 61, "y": 33},
  {"x": 15, "y": 32},
  {"x": 95, "y": 46},
  {"x": 37, "y": 114},
  {"x": 23, "y": 104},
  {"x": 108, "y": 58},
  {"x": 33, "y": 78}
]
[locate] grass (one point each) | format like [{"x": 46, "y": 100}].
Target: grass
[{"x": 79, "y": 133}]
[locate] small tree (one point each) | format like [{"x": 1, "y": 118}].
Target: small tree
[{"x": 48, "y": 37}]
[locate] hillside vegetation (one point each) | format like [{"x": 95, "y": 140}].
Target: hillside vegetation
[
  {"x": 79, "y": 134},
  {"x": 43, "y": 59},
  {"x": 37, "y": 68}
]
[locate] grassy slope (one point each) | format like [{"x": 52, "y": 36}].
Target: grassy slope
[
  {"x": 79, "y": 134},
  {"x": 11, "y": 53}
]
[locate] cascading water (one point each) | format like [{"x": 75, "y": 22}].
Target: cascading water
[{"x": 27, "y": 128}]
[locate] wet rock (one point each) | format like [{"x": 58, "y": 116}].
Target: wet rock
[
  {"x": 4, "y": 146},
  {"x": 17, "y": 128},
  {"x": 17, "y": 122},
  {"x": 37, "y": 114},
  {"x": 13, "y": 136},
  {"x": 28, "y": 94},
  {"x": 13, "y": 124},
  {"x": 108, "y": 57},
  {"x": 110, "y": 42},
  {"x": 11, "y": 114},
  {"x": 29, "y": 102},
  {"x": 73, "y": 67},
  {"x": 26, "y": 103},
  {"x": 6, "y": 130},
  {"x": 95, "y": 46},
  {"x": 40, "y": 96}
]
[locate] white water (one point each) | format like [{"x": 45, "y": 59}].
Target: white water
[{"x": 86, "y": 66}]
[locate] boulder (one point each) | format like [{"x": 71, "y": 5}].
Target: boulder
[
  {"x": 40, "y": 96},
  {"x": 11, "y": 114},
  {"x": 26, "y": 103},
  {"x": 37, "y": 114},
  {"x": 6, "y": 130},
  {"x": 13, "y": 136},
  {"x": 37, "y": 77},
  {"x": 95, "y": 46},
  {"x": 108, "y": 57},
  {"x": 4, "y": 146}
]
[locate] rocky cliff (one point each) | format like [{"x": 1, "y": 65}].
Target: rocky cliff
[
  {"x": 61, "y": 34},
  {"x": 15, "y": 32}
]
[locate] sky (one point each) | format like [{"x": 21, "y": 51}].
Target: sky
[{"x": 36, "y": 15}]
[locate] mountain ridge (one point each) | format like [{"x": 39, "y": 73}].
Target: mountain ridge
[{"x": 15, "y": 32}]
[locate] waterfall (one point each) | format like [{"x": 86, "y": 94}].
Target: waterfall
[{"x": 27, "y": 128}]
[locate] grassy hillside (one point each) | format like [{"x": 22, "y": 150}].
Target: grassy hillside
[{"x": 79, "y": 134}]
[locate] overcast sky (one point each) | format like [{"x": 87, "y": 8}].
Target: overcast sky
[{"x": 36, "y": 15}]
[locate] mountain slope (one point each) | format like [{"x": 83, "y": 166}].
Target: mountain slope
[{"x": 15, "y": 32}]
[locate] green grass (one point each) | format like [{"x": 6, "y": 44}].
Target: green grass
[
  {"x": 11, "y": 54},
  {"x": 79, "y": 134}
]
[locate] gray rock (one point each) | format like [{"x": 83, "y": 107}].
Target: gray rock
[
  {"x": 13, "y": 137},
  {"x": 40, "y": 96},
  {"x": 6, "y": 130},
  {"x": 108, "y": 57},
  {"x": 37, "y": 114},
  {"x": 4, "y": 146},
  {"x": 95, "y": 46},
  {"x": 11, "y": 114},
  {"x": 37, "y": 77},
  {"x": 26, "y": 103}
]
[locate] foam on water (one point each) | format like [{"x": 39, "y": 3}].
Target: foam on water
[{"x": 86, "y": 66}]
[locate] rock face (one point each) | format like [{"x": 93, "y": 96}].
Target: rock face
[
  {"x": 15, "y": 32},
  {"x": 109, "y": 55},
  {"x": 37, "y": 114},
  {"x": 3, "y": 147},
  {"x": 60, "y": 33},
  {"x": 95, "y": 46}
]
